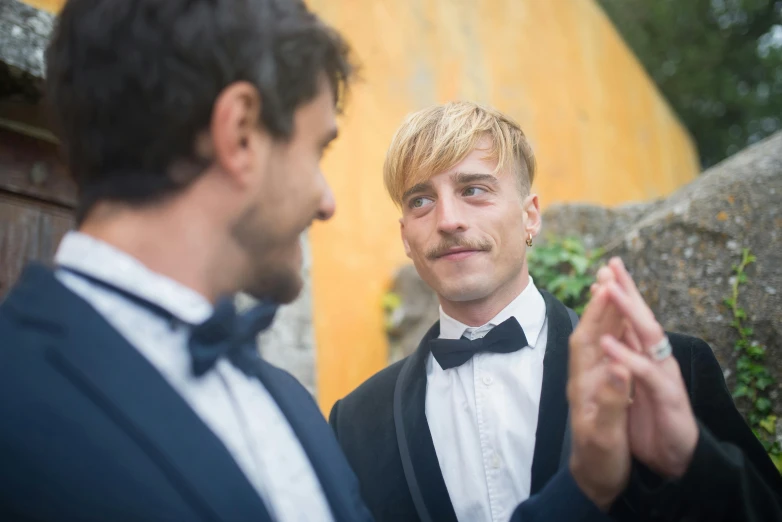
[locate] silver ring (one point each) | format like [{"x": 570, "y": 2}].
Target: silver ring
[{"x": 661, "y": 350}]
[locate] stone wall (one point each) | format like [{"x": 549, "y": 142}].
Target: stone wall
[{"x": 681, "y": 250}]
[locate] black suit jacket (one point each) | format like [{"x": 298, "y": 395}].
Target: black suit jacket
[
  {"x": 382, "y": 428},
  {"x": 91, "y": 430}
]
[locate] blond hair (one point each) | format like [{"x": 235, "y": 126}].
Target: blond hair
[{"x": 435, "y": 139}]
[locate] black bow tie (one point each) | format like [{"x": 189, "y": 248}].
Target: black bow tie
[
  {"x": 230, "y": 334},
  {"x": 506, "y": 337}
]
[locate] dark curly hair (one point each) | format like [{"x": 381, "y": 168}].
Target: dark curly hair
[{"x": 131, "y": 83}]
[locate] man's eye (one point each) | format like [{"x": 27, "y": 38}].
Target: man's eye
[
  {"x": 419, "y": 202},
  {"x": 473, "y": 191}
]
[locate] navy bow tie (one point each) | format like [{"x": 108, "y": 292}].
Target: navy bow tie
[
  {"x": 225, "y": 333},
  {"x": 506, "y": 337},
  {"x": 230, "y": 334}
]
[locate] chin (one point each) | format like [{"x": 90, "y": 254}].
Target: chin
[
  {"x": 463, "y": 288},
  {"x": 286, "y": 288},
  {"x": 281, "y": 286}
]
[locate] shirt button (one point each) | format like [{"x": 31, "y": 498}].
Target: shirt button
[
  {"x": 495, "y": 461},
  {"x": 487, "y": 380}
]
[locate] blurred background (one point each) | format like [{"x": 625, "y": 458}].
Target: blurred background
[{"x": 625, "y": 103}]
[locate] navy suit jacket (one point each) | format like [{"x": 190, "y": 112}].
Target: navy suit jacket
[{"x": 92, "y": 431}]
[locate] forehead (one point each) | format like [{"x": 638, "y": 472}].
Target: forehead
[{"x": 478, "y": 161}]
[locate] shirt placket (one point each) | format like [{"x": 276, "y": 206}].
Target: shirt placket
[{"x": 482, "y": 383}]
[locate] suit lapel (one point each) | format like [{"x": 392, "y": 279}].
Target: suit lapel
[
  {"x": 552, "y": 416},
  {"x": 114, "y": 375},
  {"x": 416, "y": 448},
  {"x": 314, "y": 434}
]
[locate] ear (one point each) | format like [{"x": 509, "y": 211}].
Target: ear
[
  {"x": 534, "y": 220},
  {"x": 404, "y": 239},
  {"x": 234, "y": 123}
]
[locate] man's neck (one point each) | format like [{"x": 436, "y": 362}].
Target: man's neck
[
  {"x": 182, "y": 246},
  {"x": 480, "y": 311}
]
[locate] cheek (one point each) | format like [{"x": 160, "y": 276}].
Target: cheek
[
  {"x": 508, "y": 235},
  {"x": 416, "y": 236},
  {"x": 300, "y": 180}
]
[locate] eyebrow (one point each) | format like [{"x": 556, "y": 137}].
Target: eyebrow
[
  {"x": 417, "y": 189},
  {"x": 464, "y": 178}
]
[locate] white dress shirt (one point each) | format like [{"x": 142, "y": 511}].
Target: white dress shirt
[
  {"x": 238, "y": 409},
  {"x": 483, "y": 414}
]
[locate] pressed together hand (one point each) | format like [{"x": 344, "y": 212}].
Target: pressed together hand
[
  {"x": 598, "y": 392},
  {"x": 662, "y": 427},
  {"x": 623, "y": 402}
]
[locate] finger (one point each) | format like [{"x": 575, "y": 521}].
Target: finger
[
  {"x": 632, "y": 340},
  {"x": 642, "y": 368},
  {"x": 588, "y": 323},
  {"x": 623, "y": 277},
  {"x": 582, "y": 388},
  {"x": 593, "y": 288},
  {"x": 585, "y": 351},
  {"x": 641, "y": 318},
  {"x": 605, "y": 275},
  {"x": 612, "y": 400}
]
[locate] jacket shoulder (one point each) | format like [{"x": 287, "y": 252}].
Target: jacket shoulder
[
  {"x": 375, "y": 392},
  {"x": 685, "y": 347}
]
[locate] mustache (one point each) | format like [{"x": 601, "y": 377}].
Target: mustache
[{"x": 445, "y": 245}]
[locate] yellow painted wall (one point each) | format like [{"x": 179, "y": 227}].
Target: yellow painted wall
[{"x": 601, "y": 132}]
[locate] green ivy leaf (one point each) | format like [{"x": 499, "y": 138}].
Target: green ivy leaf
[
  {"x": 763, "y": 405},
  {"x": 777, "y": 460},
  {"x": 580, "y": 264},
  {"x": 572, "y": 244},
  {"x": 391, "y": 301},
  {"x": 741, "y": 391},
  {"x": 764, "y": 381},
  {"x": 769, "y": 424}
]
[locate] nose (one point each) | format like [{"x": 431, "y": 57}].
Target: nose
[
  {"x": 450, "y": 216},
  {"x": 327, "y": 204}
]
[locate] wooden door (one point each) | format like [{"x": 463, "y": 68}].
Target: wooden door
[{"x": 36, "y": 201}]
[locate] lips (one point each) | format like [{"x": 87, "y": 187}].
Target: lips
[{"x": 457, "y": 254}]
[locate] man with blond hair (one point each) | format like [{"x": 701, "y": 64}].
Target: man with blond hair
[{"x": 479, "y": 417}]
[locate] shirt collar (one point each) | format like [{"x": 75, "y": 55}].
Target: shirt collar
[
  {"x": 96, "y": 258},
  {"x": 528, "y": 308}
]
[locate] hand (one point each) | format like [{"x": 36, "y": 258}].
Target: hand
[
  {"x": 662, "y": 427},
  {"x": 598, "y": 394}
]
